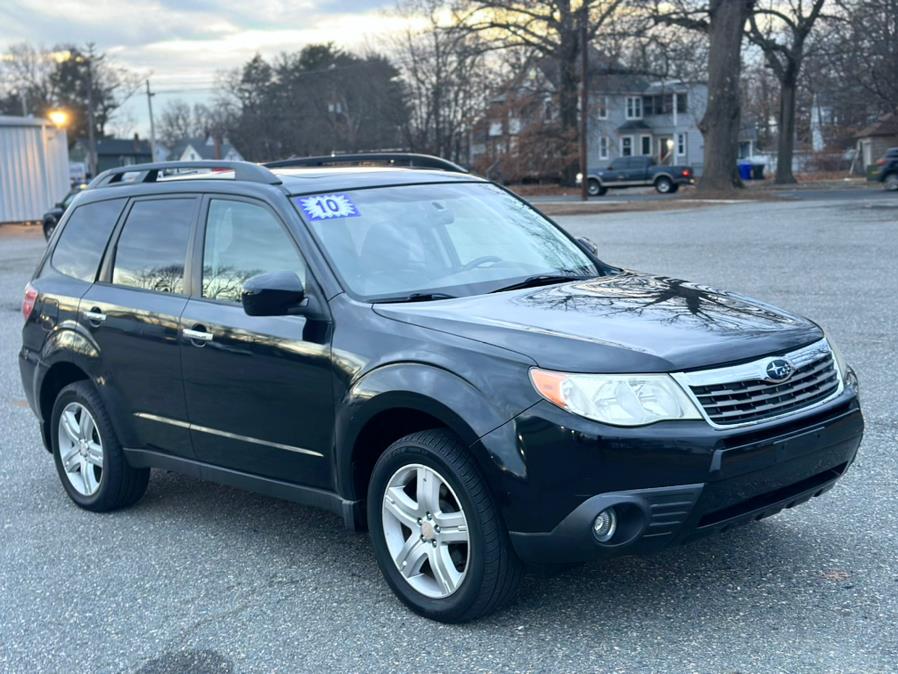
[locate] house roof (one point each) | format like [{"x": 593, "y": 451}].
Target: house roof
[
  {"x": 887, "y": 125},
  {"x": 122, "y": 146},
  {"x": 204, "y": 149}
]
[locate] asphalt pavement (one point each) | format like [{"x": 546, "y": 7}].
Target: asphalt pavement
[{"x": 202, "y": 578}]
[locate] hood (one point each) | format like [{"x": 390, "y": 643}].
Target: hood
[{"x": 626, "y": 322}]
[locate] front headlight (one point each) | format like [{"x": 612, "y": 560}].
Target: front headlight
[
  {"x": 846, "y": 374},
  {"x": 616, "y": 399},
  {"x": 578, "y": 178}
]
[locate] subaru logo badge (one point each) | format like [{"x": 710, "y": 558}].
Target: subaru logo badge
[{"x": 778, "y": 370}]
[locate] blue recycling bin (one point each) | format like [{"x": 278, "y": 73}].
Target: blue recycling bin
[{"x": 744, "y": 170}]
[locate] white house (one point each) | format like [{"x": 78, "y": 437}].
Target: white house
[{"x": 197, "y": 149}]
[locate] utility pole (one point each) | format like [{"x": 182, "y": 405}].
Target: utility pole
[
  {"x": 91, "y": 132},
  {"x": 584, "y": 99},
  {"x": 152, "y": 125}
]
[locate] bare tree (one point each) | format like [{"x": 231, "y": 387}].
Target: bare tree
[
  {"x": 781, "y": 30},
  {"x": 552, "y": 28},
  {"x": 446, "y": 79},
  {"x": 25, "y": 74},
  {"x": 724, "y": 22}
]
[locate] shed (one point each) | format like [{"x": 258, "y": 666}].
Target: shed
[
  {"x": 874, "y": 140},
  {"x": 34, "y": 168}
]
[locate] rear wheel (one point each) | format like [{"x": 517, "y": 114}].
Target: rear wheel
[
  {"x": 891, "y": 182},
  {"x": 49, "y": 227},
  {"x": 88, "y": 456},
  {"x": 664, "y": 185},
  {"x": 437, "y": 535}
]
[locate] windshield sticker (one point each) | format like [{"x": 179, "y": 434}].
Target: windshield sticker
[{"x": 328, "y": 206}]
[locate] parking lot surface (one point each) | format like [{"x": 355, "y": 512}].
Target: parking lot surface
[{"x": 202, "y": 578}]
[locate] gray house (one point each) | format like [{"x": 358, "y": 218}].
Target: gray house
[{"x": 631, "y": 115}]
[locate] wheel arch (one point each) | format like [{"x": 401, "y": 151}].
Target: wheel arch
[
  {"x": 393, "y": 401},
  {"x": 59, "y": 375}
]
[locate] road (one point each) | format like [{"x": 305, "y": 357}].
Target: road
[
  {"x": 203, "y": 578},
  {"x": 853, "y": 191}
]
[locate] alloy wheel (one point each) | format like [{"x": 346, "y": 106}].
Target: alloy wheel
[
  {"x": 426, "y": 530},
  {"x": 80, "y": 448}
]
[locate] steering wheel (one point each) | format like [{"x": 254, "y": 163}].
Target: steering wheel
[{"x": 480, "y": 261}]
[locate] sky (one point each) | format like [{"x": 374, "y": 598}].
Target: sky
[{"x": 181, "y": 44}]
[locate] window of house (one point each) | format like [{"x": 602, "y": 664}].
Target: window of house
[
  {"x": 602, "y": 107},
  {"x": 84, "y": 238},
  {"x": 681, "y": 103},
  {"x": 603, "y": 147},
  {"x": 152, "y": 247},
  {"x": 646, "y": 145},
  {"x": 634, "y": 107},
  {"x": 243, "y": 240},
  {"x": 681, "y": 144},
  {"x": 626, "y": 146}
]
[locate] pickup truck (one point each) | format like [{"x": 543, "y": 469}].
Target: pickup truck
[
  {"x": 885, "y": 170},
  {"x": 637, "y": 172}
]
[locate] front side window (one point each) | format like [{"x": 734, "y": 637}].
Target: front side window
[
  {"x": 152, "y": 247},
  {"x": 453, "y": 238},
  {"x": 243, "y": 240},
  {"x": 84, "y": 237}
]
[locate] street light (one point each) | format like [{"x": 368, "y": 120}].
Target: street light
[{"x": 60, "y": 118}]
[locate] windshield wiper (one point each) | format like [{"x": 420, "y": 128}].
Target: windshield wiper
[
  {"x": 539, "y": 280},
  {"x": 414, "y": 297}
]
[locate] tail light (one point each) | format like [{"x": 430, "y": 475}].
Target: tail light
[
  {"x": 29, "y": 301},
  {"x": 686, "y": 173},
  {"x": 881, "y": 162}
]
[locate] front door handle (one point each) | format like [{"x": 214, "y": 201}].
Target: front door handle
[
  {"x": 94, "y": 316},
  {"x": 197, "y": 335}
]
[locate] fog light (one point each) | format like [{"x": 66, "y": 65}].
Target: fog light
[{"x": 605, "y": 525}]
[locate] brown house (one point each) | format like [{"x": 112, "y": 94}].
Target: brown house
[{"x": 874, "y": 140}]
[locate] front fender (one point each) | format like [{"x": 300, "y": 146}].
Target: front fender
[{"x": 428, "y": 389}]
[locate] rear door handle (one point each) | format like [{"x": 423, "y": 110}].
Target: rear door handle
[
  {"x": 95, "y": 316},
  {"x": 197, "y": 335}
]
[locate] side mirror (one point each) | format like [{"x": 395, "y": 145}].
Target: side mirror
[
  {"x": 589, "y": 244},
  {"x": 278, "y": 293},
  {"x": 59, "y": 204}
]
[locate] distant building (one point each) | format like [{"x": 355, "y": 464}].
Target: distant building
[
  {"x": 874, "y": 140},
  {"x": 630, "y": 114},
  {"x": 113, "y": 152},
  {"x": 197, "y": 149}
]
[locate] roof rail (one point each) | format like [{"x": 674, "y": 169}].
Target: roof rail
[
  {"x": 151, "y": 173},
  {"x": 398, "y": 159}
]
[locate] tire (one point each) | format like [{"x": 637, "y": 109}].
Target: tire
[
  {"x": 595, "y": 188},
  {"x": 102, "y": 480},
  {"x": 487, "y": 572},
  {"x": 49, "y": 227},
  {"x": 890, "y": 183},
  {"x": 664, "y": 185}
]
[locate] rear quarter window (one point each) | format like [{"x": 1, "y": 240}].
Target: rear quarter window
[{"x": 84, "y": 237}]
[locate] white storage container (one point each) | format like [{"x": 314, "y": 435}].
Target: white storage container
[{"x": 34, "y": 168}]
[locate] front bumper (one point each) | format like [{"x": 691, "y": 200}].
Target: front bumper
[{"x": 668, "y": 488}]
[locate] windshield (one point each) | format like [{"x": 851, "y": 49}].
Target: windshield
[{"x": 445, "y": 239}]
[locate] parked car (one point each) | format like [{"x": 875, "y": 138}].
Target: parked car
[
  {"x": 637, "y": 172},
  {"x": 54, "y": 215},
  {"x": 885, "y": 170},
  {"x": 426, "y": 355}
]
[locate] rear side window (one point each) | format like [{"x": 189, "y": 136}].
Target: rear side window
[
  {"x": 84, "y": 237},
  {"x": 243, "y": 240},
  {"x": 152, "y": 248}
]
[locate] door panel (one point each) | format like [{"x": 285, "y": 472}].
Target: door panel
[
  {"x": 259, "y": 389},
  {"x": 133, "y": 314},
  {"x": 259, "y": 392}
]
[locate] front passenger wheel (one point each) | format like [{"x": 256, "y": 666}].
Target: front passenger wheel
[
  {"x": 595, "y": 188},
  {"x": 436, "y": 532},
  {"x": 88, "y": 456}
]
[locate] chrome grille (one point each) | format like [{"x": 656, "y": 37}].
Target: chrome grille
[{"x": 740, "y": 394}]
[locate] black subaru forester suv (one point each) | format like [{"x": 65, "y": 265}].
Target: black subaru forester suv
[{"x": 423, "y": 353}]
